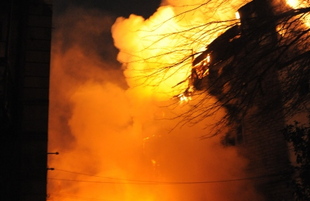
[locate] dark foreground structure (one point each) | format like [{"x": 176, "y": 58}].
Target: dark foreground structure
[
  {"x": 251, "y": 70},
  {"x": 25, "y": 42}
]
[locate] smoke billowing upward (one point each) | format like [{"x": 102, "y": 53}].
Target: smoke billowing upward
[{"x": 117, "y": 138}]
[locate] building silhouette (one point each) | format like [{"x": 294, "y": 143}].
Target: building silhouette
[
  {"x": 25, "y": 42},
  {"x": 240, "y": 68}
]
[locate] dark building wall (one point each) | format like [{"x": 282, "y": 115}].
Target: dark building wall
[
  {"x": 264, "y": 145},
  {"x": 24, "y": 87},
  {"x": 263, "y": 142},
  {"x": 253, "y": 99}
]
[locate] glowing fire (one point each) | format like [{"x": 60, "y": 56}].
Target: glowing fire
[
  {"x": 169, "y": 36},
  {"x": 184, "y": 97},
  {"x": 300, "y": 4},
  {"x": 237, "y": 15},
  {"x": 297, "y": 3},
  {"x": 202, "y": 62},
  {"x": 108, "y": 137}
]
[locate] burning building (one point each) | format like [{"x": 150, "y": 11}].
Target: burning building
[
  {"x": 112, "y": 135},
  {"x": 242, "y": 69},
  {"x": 120, "y": 142}
]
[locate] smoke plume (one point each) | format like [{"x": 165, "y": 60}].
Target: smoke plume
[{"x": 116, "y": 124}]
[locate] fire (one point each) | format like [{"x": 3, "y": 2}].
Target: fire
[
  {"x": 300, "y": 4},
  {"x": 297, "y": 3},
  {"x": 184, "y": 97},
  {"x": 150, "y": 55},
  {"x": 202, "y": 63},
  {"x": 237, "y": 15},
  {"x": 116, "y": 143},
  {"x": 158, "y": 54}
]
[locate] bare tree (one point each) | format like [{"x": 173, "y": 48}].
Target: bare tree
[
  {"x": 257, "y": 69},
  {"x": 259, "y": 63},
  {"x": 299, "y": 137}
]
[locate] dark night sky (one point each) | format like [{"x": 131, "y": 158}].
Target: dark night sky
[
  {"x": 70, "y": 14},
  {"x": 73, "y": 19},
  {"x": 118, "y": 7}
]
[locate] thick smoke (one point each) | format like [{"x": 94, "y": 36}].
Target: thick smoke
[{"x": 118, "y": 139}]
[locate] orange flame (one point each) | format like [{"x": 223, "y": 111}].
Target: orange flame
[
  {"x": 300, "y": 4},
  {"x": 155, "y": 51},
  {"x": 118, "y": 144}
]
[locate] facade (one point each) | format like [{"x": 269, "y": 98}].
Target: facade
[
  {"x": 25, "y": 42},
  {"x": 242, "y": 73}
]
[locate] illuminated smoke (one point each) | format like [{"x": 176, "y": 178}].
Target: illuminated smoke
[
  {"x": 116, "y": 139},
  {"x": 300, "y": 4}
]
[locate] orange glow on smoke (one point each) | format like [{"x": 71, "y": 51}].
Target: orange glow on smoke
[
  {"x": 147, "y": 40},
  {"x": 300, "y": 4},
  {"x": 122, "y": 144},
  {"x": 149, "y": 49}
]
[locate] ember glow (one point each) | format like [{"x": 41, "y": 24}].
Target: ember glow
[
  {"x": 300, "y": 4},
  {"x": 160, "y": 48},
  {"x": 120, "y": 143}
]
